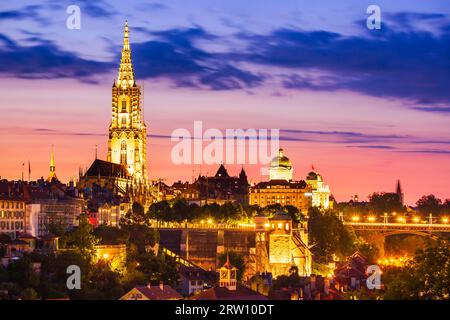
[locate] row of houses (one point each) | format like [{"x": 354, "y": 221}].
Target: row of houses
[{"x": 32, "y": 207}]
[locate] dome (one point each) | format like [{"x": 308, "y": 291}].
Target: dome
[
  {"x": 314, "y": 176},
  {"x": 281, "y": 161}
]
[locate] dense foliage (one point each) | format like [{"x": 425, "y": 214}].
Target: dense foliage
[{"x": 427, "y": 276}]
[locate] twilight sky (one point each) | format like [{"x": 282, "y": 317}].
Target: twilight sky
[{"x": 366, "y": 107}]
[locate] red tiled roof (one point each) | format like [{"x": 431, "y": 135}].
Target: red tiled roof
[
  {"x": 155, "y": 292},
  {"x": 221, "y": 293}
]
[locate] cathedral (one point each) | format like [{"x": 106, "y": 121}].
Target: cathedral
[
  {"x": 125, "y": 169},
  {"x": 127, "y": 143}
]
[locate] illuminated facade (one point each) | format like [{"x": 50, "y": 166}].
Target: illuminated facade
[
  {"x": 281, "y": 167},
  {"x": 109, "y": 214},
  {"x": 320, "y": 192},
  {"x": 12, "y": 216},
  {"x": 127, "y": 143},
  {"x": 280, "y": 245},
  {"x": 228, "y": 276},
  {"x": 281, "y": 188}
]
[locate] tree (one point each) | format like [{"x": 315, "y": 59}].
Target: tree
[
  {"x": 445, "y": 208},
  {"x": 271, "y": 209},
  {"x": 367, "y": 249},
  {"x": 385, "y": 202},
  {"x": 141, "y": 236},
  {"x": 429, "y": 204},
  {"x": 286, "y": 281},
  {"x": 160, "y": 211},
  {"x": 21, "y": 272},
  {"x": 157, "y": 268},
  {"x": 427, "y": 276},
  {"x": 82, "y": 240},
  {"x": 294, "y": 213},
  {"x": 328, "y": 235},
  {"x": 104, "y": 283},
  {"x": 180, "y": 210},
  {"x": 111, "y": 235}
]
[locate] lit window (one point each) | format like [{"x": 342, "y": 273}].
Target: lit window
[{"x": 123, "y": 153}]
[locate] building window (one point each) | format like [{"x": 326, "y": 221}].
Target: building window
[
  {"x": 124, "y": 105},
  {"x": 123, "y": 153}
]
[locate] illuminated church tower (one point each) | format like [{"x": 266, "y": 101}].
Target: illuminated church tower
[
  {"x": 127, "y": 141},
  {"x": 52, "y": 174}
]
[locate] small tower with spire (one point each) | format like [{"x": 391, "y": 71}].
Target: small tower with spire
[
  {"x": 52, "y": 174},
  {"x": 228, "y": 276}
]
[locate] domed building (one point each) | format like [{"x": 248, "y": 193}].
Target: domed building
[
  {"x": 281, "y": 167},
  {"x": 281, "y": 188},
  {"x": 320, "y": 191}
]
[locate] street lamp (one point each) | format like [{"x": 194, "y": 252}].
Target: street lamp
[{"x": 401, "y": 219}]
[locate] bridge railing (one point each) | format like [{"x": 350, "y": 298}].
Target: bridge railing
[
  {"x": 436, "y": 227},
  {"x": 204, "y": 225}
]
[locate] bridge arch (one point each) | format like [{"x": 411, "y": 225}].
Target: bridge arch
[{"x": 409, "y": 232}]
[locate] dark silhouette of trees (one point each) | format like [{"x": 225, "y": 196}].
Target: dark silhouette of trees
[
  {"x": 429, "y": 204},
  {"x": 328, "y": 235},
  {"x": 380, "y": 203}
]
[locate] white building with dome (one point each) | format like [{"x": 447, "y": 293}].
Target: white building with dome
[
  {"x": 320, "y": 191},
  {"x": 281, "y": 167}
]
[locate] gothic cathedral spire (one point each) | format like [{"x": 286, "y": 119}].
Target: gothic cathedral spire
[
  {"x": 127, "y": 143},
  {"x": 125, "y": 77}
]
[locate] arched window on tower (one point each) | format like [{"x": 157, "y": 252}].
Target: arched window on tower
[
  {"x": 123, "y": 153},
  {"x": 124, "y": 106}
]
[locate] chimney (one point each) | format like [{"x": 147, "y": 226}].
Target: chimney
[{"x": 161, "y": 285}]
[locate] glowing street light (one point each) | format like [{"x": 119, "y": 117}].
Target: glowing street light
[
  {"x": 355, "y": 218},
  {"x": 371, "y": 218},
  {"x": 444, "y": 220},
  {"x": 416, "y": 219},
  {"x": 401, "y": 219}
]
